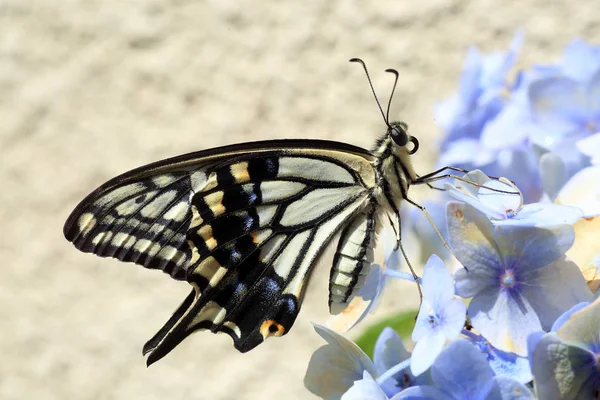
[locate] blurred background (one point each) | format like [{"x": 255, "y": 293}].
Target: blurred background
[{"x": 90, "y": 89}]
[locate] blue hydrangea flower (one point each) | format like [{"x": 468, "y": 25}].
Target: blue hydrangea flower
[
  {"x": 462, "y": 372},
  {"x": 565, "y": 110},
  {"x": 502, "y": 363},
  {"x": 508, "y": 209},
  {"x": 481, "y": 93},
  {"x": 340, "y": 369},
  {"x": 518, "y": 276},
  {"x": 389, "y": 352},
  {"x": 441, "y": 316},
  {"x": 566, "y": 364}
]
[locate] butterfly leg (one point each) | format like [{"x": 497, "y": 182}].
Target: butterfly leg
[
  {"x": 414, "y": 274},
  {"x": 435, "y": 228},
  {"x": 424, "y": 180}
]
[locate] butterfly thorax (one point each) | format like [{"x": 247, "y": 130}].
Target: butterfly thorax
[{"x": 394, "y": 171}]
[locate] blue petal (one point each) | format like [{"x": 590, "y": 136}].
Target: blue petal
[
  {"x": 366, "y": 388},
  {"x": 510, "y": 365},
  {"x": 559, "y": 104},
  {"x": 469, "y": 80},
  {"x": 390, "y": 351},
  {"x": 461, "y": 371},
  {"x": 421, "y": 393},
  {"x": 554, "y": 289},
  {"x": 553, "y": 172},
  {"x": 422, "y": 325},
  {"x": 466, "y": 151},
  {"x": 333, "y": 368},
  {"x": 460, "y": 193},
  {"x": 504, "y": 388},
  {"x": 560, "y": 321},
  {"x": 505, "y": 319},
  {"x": 544, "y": 215},
  {"x": 425, "y": 352},
  {"x": 527, "y": 248},
  {"x": 452, "y": 316},
  {"x": 593, "y": 95},
  {"x": 580, "y": 60},
  {"x": 508, "y": 129},
  {"x": 438, "y": 285},
  {"x": 563, "y": 371},
  {"x": 471, "y": 239},
  {"x": 522, "y": 167},
  {"x": 583, "y": 328}
]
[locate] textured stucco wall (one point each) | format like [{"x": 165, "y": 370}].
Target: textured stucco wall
[{"x": 89, "y": 89}]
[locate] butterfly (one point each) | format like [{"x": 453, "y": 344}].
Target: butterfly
[{"x": 245, "y": 224}]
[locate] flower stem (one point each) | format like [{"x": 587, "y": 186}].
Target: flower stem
[
  {"x": 393, "y": 371},
  {"x": 400, "y": 275}
]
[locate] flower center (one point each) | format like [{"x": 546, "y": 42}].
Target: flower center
[
  {"x": 507, "y": 279},
  {"x": 510, "y": 213},
  {"x": 433, "y": 320}
]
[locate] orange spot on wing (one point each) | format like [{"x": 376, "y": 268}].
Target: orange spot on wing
[{"x": 271, "y": 328}]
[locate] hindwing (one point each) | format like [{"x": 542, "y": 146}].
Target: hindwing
[{"x": 242, "y": 224}]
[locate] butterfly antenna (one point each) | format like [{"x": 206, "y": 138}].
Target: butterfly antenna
[
  {"x": 361, "y": 62},
  {"x": 391, "y": 71}
]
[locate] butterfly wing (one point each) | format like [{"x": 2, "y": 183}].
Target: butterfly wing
[{"x": 243, "y": 224}]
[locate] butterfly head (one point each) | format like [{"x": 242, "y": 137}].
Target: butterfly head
[{"x": 398, "y": 132}]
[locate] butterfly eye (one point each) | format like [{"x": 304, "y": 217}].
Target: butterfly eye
[
  {"x": 415, "y": 143},
  {"x": 399, "y": 136}
]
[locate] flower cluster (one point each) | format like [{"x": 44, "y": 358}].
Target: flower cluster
[{"x": 516, "y": 318}]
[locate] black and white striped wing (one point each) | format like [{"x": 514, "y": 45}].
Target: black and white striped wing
[{"x": 243, "y": 224}]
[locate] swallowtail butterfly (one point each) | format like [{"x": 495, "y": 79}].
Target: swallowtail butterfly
[{"x": 245, "y": 224}]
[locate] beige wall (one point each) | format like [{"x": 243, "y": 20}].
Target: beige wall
[{"x": 89, "y": 89}]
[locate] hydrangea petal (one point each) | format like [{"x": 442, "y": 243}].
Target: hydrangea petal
[
  {"x": 554, "y": 289},
  {"x": 593, "y": 94},
  {"x": 333, "y": 368},
  {"x": 366, "y": 388},
  {"x": 453, "y": 315},
  {"x": 553, "y": 173},
  {"x": 466, "y": 151},
  {"x": 580, "y": 60},
  {"x": 438, "y": 285},
  {"x": 510, "y": 365},
  {"x": 560, "y": 321},
  {"x": 502, "y": 202},
  {"x": 421, "y": 393},
  {"x": 460, "y": 370},
  {"x": 533, "y": 247},
  {"x": 459, "y": 193},
  {"x": 583, "y": 327},
  {"x": 558, "y": 104},
  {"x": 506, "y": 131},
  {"x": 425, "y": 352},
  {"x": 472, "y": 240},
  {"x": 504, "y": 388},
  {"x": 544, "y": 215},
  {"x": 578, "y": 192},
  {"x": 504, "y": 319},
  {"x": 389, "y": 351}
]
